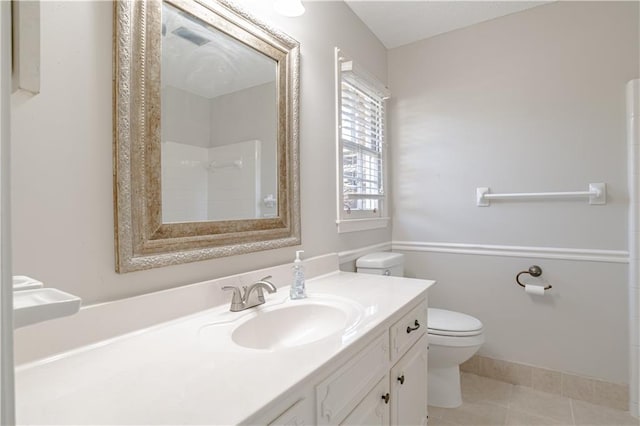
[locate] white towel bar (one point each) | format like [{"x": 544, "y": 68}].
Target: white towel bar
[{"x": 597, "y": 194}]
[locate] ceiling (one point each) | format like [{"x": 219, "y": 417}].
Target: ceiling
[
  {"x": 201, "y": 60},
  {"x": 400, "y": 22},
  {"x": 214, "y": 67}
]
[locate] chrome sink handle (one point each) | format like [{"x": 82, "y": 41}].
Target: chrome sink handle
[
  {"x": 252, "y": 295},
  {"x": 256, "y": 288},
  {"x": 237, "y": 304}
]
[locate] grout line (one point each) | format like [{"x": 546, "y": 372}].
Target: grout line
[
  {"x": 573, "y": 416},
  {"x": 510, "y": 397}
]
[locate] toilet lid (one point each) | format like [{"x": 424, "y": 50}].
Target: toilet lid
[{"x": 450, "y": 323}]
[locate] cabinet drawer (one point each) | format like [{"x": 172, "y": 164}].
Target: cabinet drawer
[
  {"x": 373, "y": 410},
  {"x": 408, "y": 330},
  {"x": 339, "y": 394}
]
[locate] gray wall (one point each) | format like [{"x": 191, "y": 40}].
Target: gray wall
[
  {"x": 244, "y": 115},
  {"x": 247, "y": 115},
  {"x": 185, "y": 117},
  {"x": 62, "y": 153},
  {"x": 530, "y": 102}
]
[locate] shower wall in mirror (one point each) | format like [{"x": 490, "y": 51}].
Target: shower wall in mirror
[
  {"x": 206, "y": 141},
  {"x": 217, "y": 162}
]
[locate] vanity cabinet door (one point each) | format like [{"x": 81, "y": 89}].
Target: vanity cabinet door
[
  {"x": 409, "y": 386},
  {"x": 342, "y": 391},
  {"x": 374, "y": 408},
  {"x": 299, "y": 414}
]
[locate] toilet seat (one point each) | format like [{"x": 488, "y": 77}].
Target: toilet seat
[
  {"x": 442, "y": 322},
  {"x": 455, "y": 341},
  {"x": 454, "y": 334}
]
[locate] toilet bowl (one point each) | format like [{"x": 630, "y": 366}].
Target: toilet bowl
[{"x": 453, "y": 336}]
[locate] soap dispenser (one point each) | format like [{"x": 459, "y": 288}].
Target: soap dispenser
[{"x": 297, "y": 287}]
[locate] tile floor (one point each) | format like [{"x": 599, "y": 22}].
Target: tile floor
[{"x": 493, "y": 403}]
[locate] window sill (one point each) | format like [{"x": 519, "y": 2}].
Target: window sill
[{"x": 355, "y": 225}]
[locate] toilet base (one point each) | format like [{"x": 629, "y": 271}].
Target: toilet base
[{"x": 444, "y": 387}]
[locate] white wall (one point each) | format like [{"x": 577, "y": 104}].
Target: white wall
[
  {"x": 7, "y": 391},
  {"x": 529, "y": 102},
  {"x": 234, "y": 190},
  {"x": 633, "y": 145},
  {"x": 62, "y": 153},
  {"x": 185, "y": 186}
]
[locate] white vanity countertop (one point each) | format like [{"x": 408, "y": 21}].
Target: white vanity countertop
[{"x": 189, "y": 371}]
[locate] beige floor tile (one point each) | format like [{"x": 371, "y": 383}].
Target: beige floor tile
[
  {"x": 546, "y": 380},
  {"x": 476, "y": 414},
  {"x": 435, "y": 412},
  {"x": 482, "y": 389},
  {"x": 518, "y": 418},
  {"x": 472, "y": 365},
  {"x": 577, "y": 387},
  {"x": 506, "y": 371},
  {"x": 541, "y": 404},
  {"x": 484, "y": 404},
  {"x": 587, "y": 414},
  {"x": 440, "y": 422},
  {"x": 611, "y": 395}
]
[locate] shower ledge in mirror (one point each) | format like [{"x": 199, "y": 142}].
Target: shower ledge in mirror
[{"x": 33, "y": 303}]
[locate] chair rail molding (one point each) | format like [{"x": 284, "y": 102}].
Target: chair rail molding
[{"x": 584, "y": 255}]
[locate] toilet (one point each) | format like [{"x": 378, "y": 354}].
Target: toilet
[{"x": 453, "y": 336}]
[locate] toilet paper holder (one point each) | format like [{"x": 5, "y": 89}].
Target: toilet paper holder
[{"x": 534, "y": 271}]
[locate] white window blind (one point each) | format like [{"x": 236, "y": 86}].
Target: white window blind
[{"x": 361, "y": 136}]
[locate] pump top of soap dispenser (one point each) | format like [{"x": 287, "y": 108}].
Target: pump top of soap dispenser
[{"x": 298, "y": 256}]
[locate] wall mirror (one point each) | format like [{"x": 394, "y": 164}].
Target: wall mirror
[{"x": 206, "y": 133}]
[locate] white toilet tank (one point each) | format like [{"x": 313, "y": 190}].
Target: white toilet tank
[{"x": 381, "y": 263}]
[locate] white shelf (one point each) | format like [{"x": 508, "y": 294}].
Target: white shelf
[
  {"x": 22, "y": 282},
  {"x": 42, "y": 304}
]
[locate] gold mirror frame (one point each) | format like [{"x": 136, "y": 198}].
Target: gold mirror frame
[{"x": 142, "y": 240}]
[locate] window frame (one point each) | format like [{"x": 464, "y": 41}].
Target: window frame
[{"x": 359, "y": 220}]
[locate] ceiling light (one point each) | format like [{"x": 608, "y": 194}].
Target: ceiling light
[{"x": 290, "y": 8}]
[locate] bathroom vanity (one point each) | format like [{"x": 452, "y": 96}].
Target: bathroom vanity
[
  {"x": 380, "y": 384},
  {"x": 353, "y": 352}
]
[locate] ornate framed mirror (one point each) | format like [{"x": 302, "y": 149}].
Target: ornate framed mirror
[{"x": 205, "y": 133}]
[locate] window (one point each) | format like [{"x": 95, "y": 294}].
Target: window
[{"x": 361, "y": 147}]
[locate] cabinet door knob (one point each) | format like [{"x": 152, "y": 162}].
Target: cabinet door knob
[
  {"x": 410, "y": 329},
  {"x": 401, "y": 379},
  {"x": 386, "y": 398}
]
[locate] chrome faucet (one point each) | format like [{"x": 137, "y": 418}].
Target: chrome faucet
[{"x": 250, "y": 296}]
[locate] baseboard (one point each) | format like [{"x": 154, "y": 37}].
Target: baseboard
[{"x": 612, "y": 395}]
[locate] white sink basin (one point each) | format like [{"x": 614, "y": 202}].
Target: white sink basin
[{"x": 296, "y": 323}]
